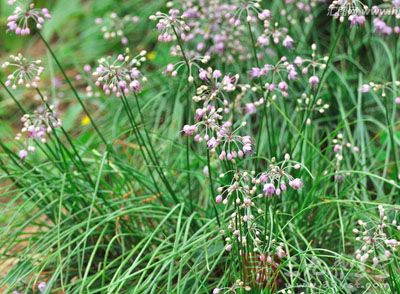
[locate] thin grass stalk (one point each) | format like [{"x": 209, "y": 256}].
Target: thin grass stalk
[
  {"x": 83, "y": 170},
  {"x": 141, "y": 146},
  {"x": 264, "y": 116},
  {"x": 142, "y": 142},
  {"x": 188, "y": 110},
  {"x": 22, "y": 109},
  {"x": 319, "y": 87},
  {"x": 155, "y": 158},
  {"x": 73, "y": 89},
  {"x": 212, "y": 187}
]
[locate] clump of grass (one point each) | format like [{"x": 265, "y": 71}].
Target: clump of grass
[{"x": 229, "y": 149}]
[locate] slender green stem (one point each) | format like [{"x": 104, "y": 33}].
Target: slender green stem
[
  {"x": 152, "y": 153},
  {"x": 212, "y": 187},
  {"x": 319, "y": 87},
  {"x": 73, "y": 89},
  {"x": 80, "y": 167},
  {"x": 141, "y": 145},
  {"x": 392, "y": 136},
  {"x": 264, "y": 116},
  {"x": 188, "y": 118}
]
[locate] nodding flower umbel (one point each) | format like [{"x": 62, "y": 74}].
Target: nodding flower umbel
[
  {"x": 276, "y": 178},
  {"x": 170, "y": 25},
  {"x": 275, "y": 75},
  {"x": 24, "y": 15},
  {"x": 354, "y": 10},
  {"x": 120, "y": 75},
  {"x": 311, "y": 65},
  {"x": 114, "y": 27},
  {"x": 272, "y": 31},
  {"x": 339, "y": 148},
  {"x": 231, "y": 143},
  {"x": 25, "y": 72},
  {"x": 378, "y": 238},
  {"x": 383, "y": 22},
  {"x": 383, "y": 89},
  {"x": 273, "y": 181},
  {"x": 36, "y": 127}
]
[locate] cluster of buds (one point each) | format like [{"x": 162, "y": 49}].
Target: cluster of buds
[
  {"x": 170, "y": 24},
  {"x": 383, "y": 89},
  {"x": 304, "y": 101},
  {"x": 272, "y": 31},
  {"x": 384, "y": 23},
  {"x": 25, "y": 72},
  {"x": 276, "y": 178},
  {"x": 280, "y": 68},
  {"x": 193, "y": 63},
  {"x": 377, "y": 243},
  {"x": 242, "y": 186},
  {"x": 24, "y": 15},
  {"x": 216, "y": 28},
  {"x": 338, "y": 149},
  {"x": 312, "y": 65},
  {"x": 231, "y": 143},
  {"x": 277, "y": 71},
  {"x": 36, "y": 127},
  {"x": 208, "y": 120},
  {"x": 209, "y": 126},
  {"x": 114, "y": 27},
  {"x": 216, "y": 84},
  {"x": 354, "y": 10},
  {"x": 120, "y": 75}
]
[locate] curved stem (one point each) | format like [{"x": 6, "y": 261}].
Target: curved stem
[
  {"x": 212, "y": 186},
  {"x": 73, "y": 90}
]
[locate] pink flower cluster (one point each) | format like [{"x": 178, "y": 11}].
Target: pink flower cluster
[
  {"x": 378, "y": 238},
  {"x": 25, "y": 72},
  {"x": 276, "y": 178},
  {"x": 115, "y": 27},
  {"x": 22, "y": 18},
  {"x": 170, "y": 24},
  {"x": 36, "y": 127},
  {"x": 209, "y": 126},
  {"x": 120, "y": 75},
  {"x": 273, "y": 32}
]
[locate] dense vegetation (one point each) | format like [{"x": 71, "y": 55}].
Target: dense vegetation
[{"x": 200, "y": 146}]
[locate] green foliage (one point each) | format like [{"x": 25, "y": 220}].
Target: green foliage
[{"x": 98, "y": 223}]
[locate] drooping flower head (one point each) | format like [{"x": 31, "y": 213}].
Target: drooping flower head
[
  {"x": 170, "y": 24},
  {"x": 120, "y": 75},
  {"x": 25, "y": 16},
  {"x": 276, "y": 178},
  {"x": 312, "y": 65},
  {"x": 275, "y": 75},
  {"x": 378, "y": 238},
  {"x": 233, "y": 145},
  {"x": 273, "y": 32},
  {"x": 354, "y": 10},
  {"x": 114, "y": 26},
  {"x": 25, "y": 72},
  {"x": 341, "y": 149},
  {"x": 36, "y": 127},
  {"x": 304, "y": 102}
]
